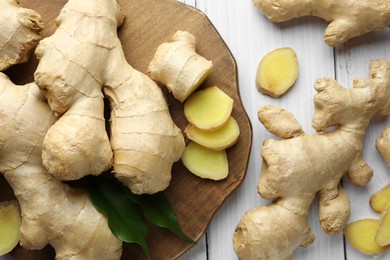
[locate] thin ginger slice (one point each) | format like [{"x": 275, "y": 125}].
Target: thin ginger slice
[
  {"x": 10, "y": 221},
  {"x": 277, "y": 72},
  {"x": 205, "y": 163},
  {"x": 209, "y": 108},
  {"x": 380, "y": 199},
  {"x": 361, "y": 235},
  {"x": 218, "y": 139},
  {"x": 383, "y": 234}
]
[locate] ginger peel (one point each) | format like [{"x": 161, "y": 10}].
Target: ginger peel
[
  {"x": 26, "y": 118},
  {"x": 347, "y": 19},
  {"x": 144, "y": 140},
  {"x": 10, "y": 221},
  {"x": 277, "y": 72},
  {"x": 288, "y": 164},
  {"x": 19, "y": 33},
  {"x": 178, "y": 67}
]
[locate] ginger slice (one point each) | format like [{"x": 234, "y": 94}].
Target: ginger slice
[
  {"x": 383, "y": 234},
  {"x": 10, "y": 221},
  {"x": 218, "y": 139},
  {"x": 361, "y": 235},
  {"x": 205, "y": 163},
  {"x": 178, "y": 67},
  {"x": 380, "y": 199},
  {"x": 209, "y": 108},
  {"x": 277, "y": 72}
]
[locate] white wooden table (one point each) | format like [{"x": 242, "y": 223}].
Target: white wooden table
[{"x": 249, "y": 36}]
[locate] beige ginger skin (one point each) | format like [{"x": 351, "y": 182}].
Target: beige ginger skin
[
  {"x": 178, "y": 67},
  {"x": 144, "y": 139},
  {"x": 19, "y": 33},
  {"x": 348, "y": 18},
  {"x": 294, "y": 170},
  {"x": 52, "y": 212}
]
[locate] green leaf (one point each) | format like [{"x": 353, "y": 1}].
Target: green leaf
[
  {"x": 158, "y": 211},
  {"x": 124, "y": 218}
]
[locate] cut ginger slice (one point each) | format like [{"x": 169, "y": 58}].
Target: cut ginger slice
[
  {"x": 383, "y": 233},
  {"x": 204, "y": 162},
  {"x": 218, "y": 139},
  {"x": 10, "y": 221},
  {"x": 277, "y": 72},
  {"x": 361, "y": 235},
  {"x": 379, "y": 200},
  {"x": 209, "y": 108}
]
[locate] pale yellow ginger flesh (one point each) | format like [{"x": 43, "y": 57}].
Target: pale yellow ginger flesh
[
  {"x": 277, "y": 72},
  {"x": 347, "y": 18},
  {"x": 80, "y": 61},
  {"x": 206, "y": 163},
  {"x": 19, "y": 33},
  {"x": 295, "y": 170},
  {"x": 177, "y": 66},
  {"x": 52, "y": 212},
  {"x": 209, "y": 108},
  {"x": 10, "y": 221},
  {"x": 218, "y": 139},
  {"x": 380, "y": 199},
  {"x": 383, "y": 233},
  {"x": 361, "y": 235}
]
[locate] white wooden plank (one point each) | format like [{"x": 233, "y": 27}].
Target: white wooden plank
[
  {"x": 352, "y": 62},
  {"x": 197, "y": 252},
  {"x": 249, "y": 36}
]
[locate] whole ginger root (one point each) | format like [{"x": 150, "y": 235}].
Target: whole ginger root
[
  {"x": 52, "y": 212},
  {"x": 347, "y": 18},
  {"x": 294, "y": 170},
  {"x": 19, "y": 33},
  {"x": 145, "y": 141}
]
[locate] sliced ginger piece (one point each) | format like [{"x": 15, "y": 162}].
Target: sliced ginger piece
[
  {"x": 383, "y": 234},
  {"x": 205, "y": 163},
  {"x": 361, "y": 235},
  {"x": 218, "y": 139},
  {"x": 380, "y": 199},
  {"x": 277, "y": 72},
  {"x": 10, "y": 221},
  {"x": 209, "y": 108}
]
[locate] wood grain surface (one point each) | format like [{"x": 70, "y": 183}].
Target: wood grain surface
[{"x": 149, "y": 23}]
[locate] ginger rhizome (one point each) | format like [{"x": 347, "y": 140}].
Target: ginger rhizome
[
  {"x": 277, "y": 72},
  {"x": 178, "y": 67},
  {"x": 80, "y": 60},
  {"x": 10, "y": 221},
  {"x": 52, "y": 212},
  {"x": 294, "y": 170},
  {"x": 19, "y": 33},
  {"x": 347, "y": 19}
]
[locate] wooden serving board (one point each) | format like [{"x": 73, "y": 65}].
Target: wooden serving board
[{"x": 149, "y": 23}]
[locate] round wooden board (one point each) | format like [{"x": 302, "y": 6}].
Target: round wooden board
[{"x": 149, "y": 23}]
